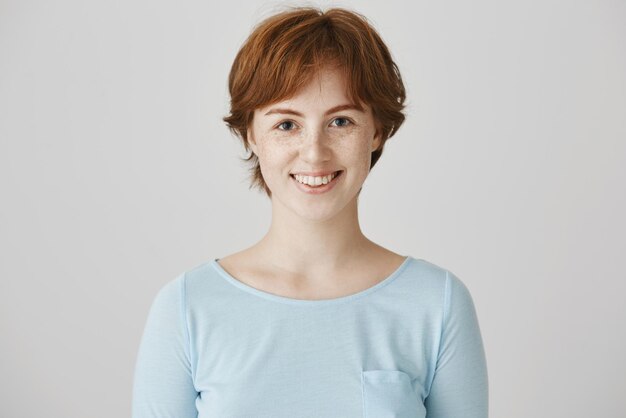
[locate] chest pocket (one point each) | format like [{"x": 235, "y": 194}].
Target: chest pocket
[{"x": 389, "y": 394}]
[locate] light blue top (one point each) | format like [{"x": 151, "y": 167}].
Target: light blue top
[{"x": 408, "y": 347}]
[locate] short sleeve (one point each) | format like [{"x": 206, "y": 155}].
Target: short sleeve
[
  {"x": 163, "y": 384},
  {"x": 460, "y": 385}
]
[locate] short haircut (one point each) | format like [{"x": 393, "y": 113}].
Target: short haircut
[{"x": 285, "y": 51}]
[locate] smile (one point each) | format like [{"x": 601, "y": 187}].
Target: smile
[{"x": 318, "y": 189}]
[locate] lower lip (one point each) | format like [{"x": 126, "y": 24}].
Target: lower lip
[{"x": 318, "y": 189}]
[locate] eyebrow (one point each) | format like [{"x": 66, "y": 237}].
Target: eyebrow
[{"x": 328, "y": 112}]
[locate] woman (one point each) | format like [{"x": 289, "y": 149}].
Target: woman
[{"x": 315, "y": 320}]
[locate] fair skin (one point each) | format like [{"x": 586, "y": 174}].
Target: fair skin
[{"x": 314, "y": 248}]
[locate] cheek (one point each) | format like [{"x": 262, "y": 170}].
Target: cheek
[
  {"x": 365, "y": 159},
  {"x": 273, "y": 161},
  {"x": 359, "y": 154}
]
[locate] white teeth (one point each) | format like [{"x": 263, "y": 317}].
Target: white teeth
[{"x": 314, "y": 181}]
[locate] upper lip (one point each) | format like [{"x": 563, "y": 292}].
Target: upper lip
[{"x": 315, "y": 173}]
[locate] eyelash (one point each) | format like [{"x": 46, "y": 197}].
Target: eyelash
[{"x": 350, "y": 122}]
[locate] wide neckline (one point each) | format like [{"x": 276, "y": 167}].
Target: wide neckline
[{"x": 284, "y": 299}]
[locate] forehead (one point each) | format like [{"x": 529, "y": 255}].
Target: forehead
[{"x": 326, "y": 88}]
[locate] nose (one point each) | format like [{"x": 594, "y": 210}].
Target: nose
[{"x": 315, "y": 147}]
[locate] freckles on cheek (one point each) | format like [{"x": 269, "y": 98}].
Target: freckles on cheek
[
  {"x": 356, "y": 148},
  {"x": 363, "y": 158}
]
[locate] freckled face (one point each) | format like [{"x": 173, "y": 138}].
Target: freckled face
[{"x": 317, "y": 129}]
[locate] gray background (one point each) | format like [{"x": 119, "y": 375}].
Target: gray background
[{"x": 117, "y": 174}]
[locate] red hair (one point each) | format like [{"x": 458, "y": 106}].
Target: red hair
[{"x": 286, "y": 50}]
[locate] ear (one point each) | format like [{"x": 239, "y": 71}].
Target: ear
[
  {"x": 377, "y": 141},
  {"x": 251, "y": 140}
]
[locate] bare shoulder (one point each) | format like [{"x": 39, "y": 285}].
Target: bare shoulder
[
  {"x": 241, "y": 263},
  {"x": 380, "y": 255},
  {"x": 383, "y": 262}
]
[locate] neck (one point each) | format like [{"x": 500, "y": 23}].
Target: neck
[{"x": 308, "y": 246}]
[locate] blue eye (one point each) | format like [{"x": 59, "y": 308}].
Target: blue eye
[
  {"x": 344, "y": 119},
  {"x": 283, "y": 123}
]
